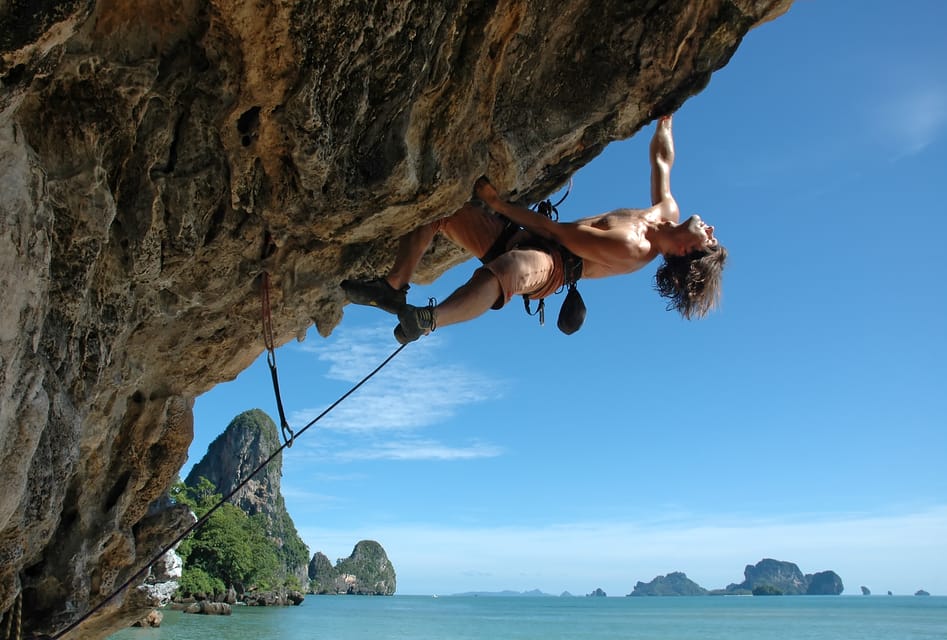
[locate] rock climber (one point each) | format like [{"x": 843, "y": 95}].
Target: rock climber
[{"x": 526, "y": 253}]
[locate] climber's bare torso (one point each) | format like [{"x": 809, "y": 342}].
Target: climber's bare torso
[
  {"x": 613, "y": 243},
  {"x": 630, "y": 227},
  {"x": 624, "y": 240}
]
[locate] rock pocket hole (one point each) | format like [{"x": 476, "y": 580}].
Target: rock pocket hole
[
  {"x": 117, "y": 490},
  {"x": 14, "y": 75},
  {"x": 247, "y": 124}
]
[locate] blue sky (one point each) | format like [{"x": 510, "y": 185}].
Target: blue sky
[{"x": 803, "y": 421}]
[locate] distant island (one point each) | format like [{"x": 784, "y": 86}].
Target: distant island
[
  {"x": 275, "y": 556},
  {"x": 367, "y": 572},
  {"x": 766, "y": 578},
  {"x": 673, "y": 584},
  {"x": 535, "y": 593}
]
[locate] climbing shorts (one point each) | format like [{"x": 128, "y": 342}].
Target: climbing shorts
[
  {"x": 471, "y": 227},
  {"x": 537, "y": 273},
  {"x": 525, "y": 265}
]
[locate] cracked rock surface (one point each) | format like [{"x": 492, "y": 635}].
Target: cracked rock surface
[{"x": 152, "y": 152}]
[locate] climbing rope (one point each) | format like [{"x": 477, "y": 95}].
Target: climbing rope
[
  {"x": 287, "y": 431},
  {"x": 141, "y": 572},
  {"x": 12, "y": 621}
]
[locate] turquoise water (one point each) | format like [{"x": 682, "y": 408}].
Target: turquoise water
[{"x": 489, "y": 618}]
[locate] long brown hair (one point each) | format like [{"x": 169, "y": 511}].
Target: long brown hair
[{"x": 692, "y": 283}]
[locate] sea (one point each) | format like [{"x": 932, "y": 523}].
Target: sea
[{"x": 559, "y": 618}]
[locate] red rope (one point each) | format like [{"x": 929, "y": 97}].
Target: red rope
[
  {"x": 268, "y": 341},
  {"x": 267, "y": 315}
]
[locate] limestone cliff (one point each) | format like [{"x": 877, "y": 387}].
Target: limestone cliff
[
  {"x": 673, "y": 584},
  {"x": 824, "y": 583},
  {"x": 367, "y": 572},
  {"x": 244, "y": 445},
  {"x": 151, "y": 149},
  {"x": 786, "y": 578}
]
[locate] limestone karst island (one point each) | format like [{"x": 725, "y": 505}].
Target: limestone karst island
[
  {"x": 158, "y": 157},
  {"x": 249, "y": 551}
]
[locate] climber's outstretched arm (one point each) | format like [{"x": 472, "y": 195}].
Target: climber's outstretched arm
[{"x": 662, "y": 159}]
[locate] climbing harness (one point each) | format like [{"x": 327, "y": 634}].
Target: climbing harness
[
  {"x": 268, "y": 340},
  {"x": 550, "y": 210},
  {"x": 572, "y": 313}
]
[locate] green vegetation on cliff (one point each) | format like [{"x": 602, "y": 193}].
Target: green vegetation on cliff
[
  {"x": 674, "y": 584},
  {"x": 766, "y": 590},
  {"x": 248, "y": 441},
  {"x": 293, "y": 553},
  {"x": 230, "y": 550},
  {"x": 368, "y": 571}
]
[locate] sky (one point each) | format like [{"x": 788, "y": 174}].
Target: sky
[{"x": 802, "y": 421}]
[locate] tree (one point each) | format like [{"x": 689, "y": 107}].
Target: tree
[
  {"x": 229, "y": 549},
  {"x": 766, "y": 590}
]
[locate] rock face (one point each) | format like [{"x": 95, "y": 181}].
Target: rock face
[
  {"x": 785, "y": 578},
  {"x": 152, "y": 620},
  {"x": 208, "y": 608},
  {"x": 321, "y": 572},
  {"x": 248, "y": 440},
  {"x": 245, "y": 444},
  {"x": 162, "y": 580},
  {"x": 782, "y": 576},
  {"x": 673, "y": 584},
  {"x": 368, "y": 571},
  {"x": 152, "y": 152},
  {"x": 865, "y": 590},
  {"x": 273, "y": 599},
  {"x": 824, "y": 583}
]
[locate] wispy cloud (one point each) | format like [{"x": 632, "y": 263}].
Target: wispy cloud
[
  {"x": 416, "y": 390},
  {"x": 412, "y": 449},
  {"x": 910, "y": 118},
  {"x": 301, "y": 495}
]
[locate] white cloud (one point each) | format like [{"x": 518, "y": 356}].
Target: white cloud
[
  {"x": 911, "y": 118},
  {"x": 417, "y": 389},
  {"x": 297, "y": 494},
  {"x": 411, "y": 449}
]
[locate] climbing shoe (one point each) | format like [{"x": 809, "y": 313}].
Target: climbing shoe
[
  {"x": 376, "y": 293},
  {"x": 414, "y": 322}
]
